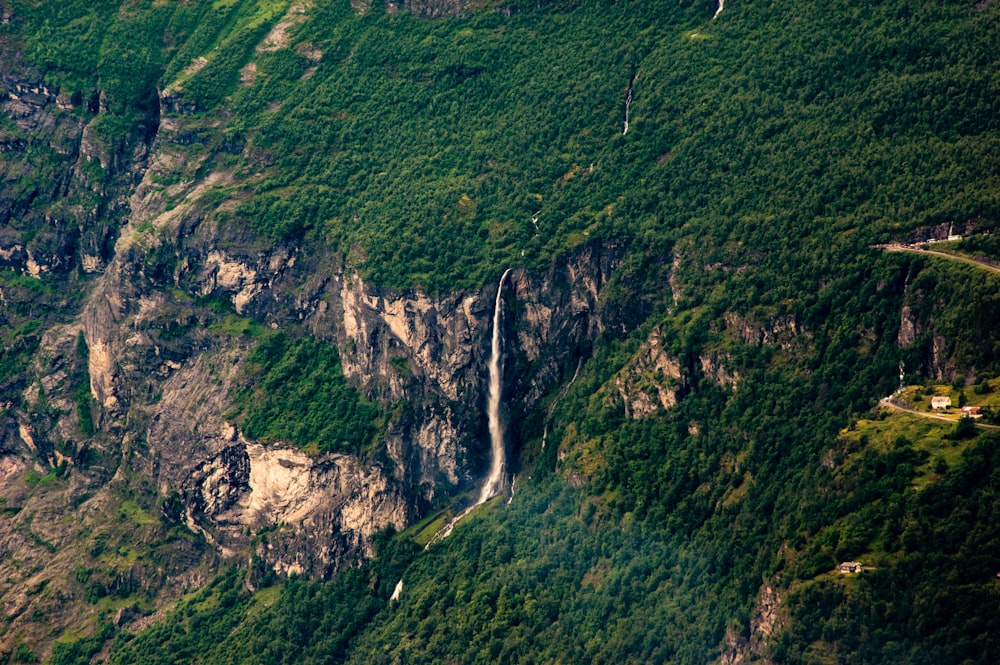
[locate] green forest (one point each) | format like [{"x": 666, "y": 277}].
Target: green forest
[
  {"x": 769, "y": 151},
  {"x": 296, "y": 391}
]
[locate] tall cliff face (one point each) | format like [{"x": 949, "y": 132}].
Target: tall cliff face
[
  {"x": 134, "y": 389},
  {"x": 251, "y": 173},
  {"x": 946, "y": 317},
  {"x": 70, "y": 183}
]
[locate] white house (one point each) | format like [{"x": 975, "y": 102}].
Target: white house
[{"x": 940, "y": 403}]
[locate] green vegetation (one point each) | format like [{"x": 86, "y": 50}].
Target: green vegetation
[
  {"x": 296, "y": 391},
  {"x": 982, "y": 246},
  {"x": 506, "y": 585},
  {"x": 6, "y": 510},
  {"x": 246, "y": 24},
  {"x": 79, "y": 652},
  {"x": 28, "y": 304},
  {"x": 425, "y": 530},
  {"x": 24, "y": 654},
  {"x": 657, "y": 553},
  {"x": 768, "y": 151},
  {"x": 808, "y": 142},
  {"x": 964, "y": 302},
  {"x": 542, "y": 580},
  {"x": 476, "y": 124},
  {"x": 33, "y": 479},
  {"x": 935, "y": 571},
  {"x": 122, "y": 559}
]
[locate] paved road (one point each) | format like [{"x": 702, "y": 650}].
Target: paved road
[
  {"x": 923, "y": 414},
  {"x": 944, "y": 255}
]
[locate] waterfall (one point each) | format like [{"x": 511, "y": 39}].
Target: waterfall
[
  {"x": 628, "y": 102},
  {"x": 494, "y": 482},
  {"x": 722, "y": 5}
]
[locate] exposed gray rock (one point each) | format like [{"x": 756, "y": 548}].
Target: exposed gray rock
[
  {"x": 909, "y": 327},
  {"x": 651, "y": 380},
  {"x": 157, "y": 379},
  {"x": 718, "y": 369},
  {"x": 767, "y": 619},
  {"x": 780, "y": 330}
]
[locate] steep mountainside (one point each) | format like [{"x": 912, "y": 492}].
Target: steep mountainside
[{"x": 250, "y": 268}]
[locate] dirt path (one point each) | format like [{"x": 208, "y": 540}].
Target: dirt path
[
  {"x": 944, "y": 255},
  {"x": 885, "y": 401}
]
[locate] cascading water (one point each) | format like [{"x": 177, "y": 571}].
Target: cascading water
[
  {"x": 498, "y": 465},
  {"x": 495, "y": 481},
  {"x": 628, "y": 102}
]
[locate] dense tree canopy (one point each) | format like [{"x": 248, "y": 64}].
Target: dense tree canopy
[{"x": 768, "y": 152}]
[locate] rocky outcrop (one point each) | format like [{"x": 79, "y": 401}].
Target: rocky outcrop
[
  {"x": 441, "y": 8},
  {"x": 428, "y": 451},
  {"x": 909, "y": 327},
  {"x": 780, "y": 330},
  {"x": 328, "y": 507},
  {"x": 942, "y": 231},
  {"x": 126, "y": 411},
  {"x": 429, "y": 353},
  {"x": 718, "y": 369},
  {"x": 651, "y": 380},
  {"x": 924, "y": 328},
  {"x": 432, "y": 8},
  {"x": 158, "y": 370},
  {"x": 53, "y": 403},
  {"x": 559, "y": 315},
  {"x": 152, "y": 358},
  {"x": 766, "y": 620},
  {"x": 439, "y": 339},
  {"x": 654, "y": 380},
  {"x": 63, "y": 215}
]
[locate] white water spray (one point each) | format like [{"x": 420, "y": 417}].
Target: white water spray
[
  {"x": 494, "y": 482},
  {"x": 722, "y": 5}
]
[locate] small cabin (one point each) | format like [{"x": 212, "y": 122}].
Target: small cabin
[
  {"x": 939, "y": 403},
  {"x": 972, "y": 411},
  {"x": 850, "y": 568}
]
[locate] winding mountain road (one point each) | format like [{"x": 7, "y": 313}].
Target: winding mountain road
[
  {"x": 886, "y": 402},
  {"x": 944, "y": 255}
]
